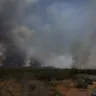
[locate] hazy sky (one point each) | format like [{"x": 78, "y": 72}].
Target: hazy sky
[{"x": 56, "y": 24}]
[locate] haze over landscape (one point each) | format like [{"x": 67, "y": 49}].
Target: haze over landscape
[{"x": 47, "y": 29}]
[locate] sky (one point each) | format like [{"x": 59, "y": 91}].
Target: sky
[{"x": 55, "y": 25}]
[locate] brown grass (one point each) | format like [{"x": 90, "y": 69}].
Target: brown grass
[
  {"x": 28, "y": 88},
  {"x": 37, "y": 88}
]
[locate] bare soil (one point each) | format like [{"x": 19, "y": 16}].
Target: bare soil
[{"x": 77, "y": 92}]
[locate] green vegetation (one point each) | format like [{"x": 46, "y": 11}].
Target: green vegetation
[
  {"x": 81, "y": 84},
  {"x": 46, "y": 74}
]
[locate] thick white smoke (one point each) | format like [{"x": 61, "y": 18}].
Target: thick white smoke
[
  {"x": 87, "y": 55},
  {"x": 91, "y": 37},
  {"x": 48, "y": 38},
  {"x": 67, "y": 21},
  {"x": 11, "y": 12},
  {"x": 64, "y": 22},
  {"x": 21, "y": 37},
  {"x": 63, "y": 61}
]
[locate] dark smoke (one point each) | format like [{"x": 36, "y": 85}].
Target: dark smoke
[{"x": 10, "y": 16}]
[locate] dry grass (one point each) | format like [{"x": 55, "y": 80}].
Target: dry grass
[
  {"x": 28, "y": 88},
  {"x": 37, "y": 88}
]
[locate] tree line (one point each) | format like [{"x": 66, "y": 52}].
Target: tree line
[{"x": 44, "y": 73}]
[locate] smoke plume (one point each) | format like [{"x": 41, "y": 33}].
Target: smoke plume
[
  {"x": 48, "y": 30},
  {"x": 87, "y": 55},
  {"x": 57, "y": 24},
  {"x": 10, "y": 17}
]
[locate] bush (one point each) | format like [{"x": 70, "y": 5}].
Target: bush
[{"x": 81, "y": 85}]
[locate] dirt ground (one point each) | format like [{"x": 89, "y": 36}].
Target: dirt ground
[
  {"x": 73, "y": 91},
  {"x": 66, "y": 90},
  {"x": 76, "y": 92}
]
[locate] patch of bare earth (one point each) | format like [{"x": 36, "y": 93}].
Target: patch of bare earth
[{"x": 78, "y": 92}]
